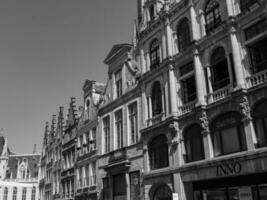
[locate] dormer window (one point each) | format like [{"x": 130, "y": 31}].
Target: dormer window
[{"x": 118, "y": 83}]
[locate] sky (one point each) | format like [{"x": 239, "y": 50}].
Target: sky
[{"x": 48, "y": 48}]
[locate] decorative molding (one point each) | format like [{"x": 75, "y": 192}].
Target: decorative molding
[
  {"x": 244, "y": 107},
  {"x": 204, "y": 121}
]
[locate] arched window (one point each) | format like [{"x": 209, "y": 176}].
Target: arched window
[
  {"x": 260, "y": 121},
  {"x": 15, "y": 192},
  {"x": 158, "y": 152},
  {"x": 228, "y": 134},
  {"x": 163, "y": 192},
  {"x": 33, "y": 193},
  {"x": 5, "y": 193},
  {"x": 183, "y": 35},
  {"x": 154, "y": 54},
  {"x": 193, "y": 143},
  {"x": 219, "y": 69},
  {"x": 24, "y": 193},
  {"x": 156, "y": 99},
  {"x": 212, "y": 15}
]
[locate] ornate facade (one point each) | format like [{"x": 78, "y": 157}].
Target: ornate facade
[{"x": 182, "y": 115}]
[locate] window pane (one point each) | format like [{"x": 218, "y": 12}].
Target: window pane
[
  {"x": 230, "y": 140},
  {"x": 217, "y": 144},
  {"x": 119, "y": 185},
  {"x": 135, "y": 186}
]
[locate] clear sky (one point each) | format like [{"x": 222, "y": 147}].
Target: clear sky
[{"x": 47, "y": 49}]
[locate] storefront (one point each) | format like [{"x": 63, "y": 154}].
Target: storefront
[{"x": 240, "y": 177}]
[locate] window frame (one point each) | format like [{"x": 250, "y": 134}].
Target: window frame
[
  {"x": 133, "y": 122},
  {"x": 156, "y": 99},
  {"x": 106, "y": 131},
  {"x": 212, "y": 15},
  {"x": 118, "y": 82},
  {"x": 118, "y": 117},
  {"x": 154, "y": 53},
  {"x": 183, "y": 35}
]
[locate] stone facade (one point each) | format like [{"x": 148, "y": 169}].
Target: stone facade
[{"x": 183, "y": 112}]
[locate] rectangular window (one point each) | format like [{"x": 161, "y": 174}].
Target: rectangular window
[
  {"x": 189, "y": 89},
  {"x": 133, "y": 126},
  {"x": 118, "y": 83},
  {"x": 119, "y": 186},
  {"x": 87, "y": 175},
  {"x": 118, "y": 127},
  {"x": 92, "y": 174},
  {"x": 246, "y": 4},
  {"x": 106, "y": 129},
  {"x": 93, "y": 139},
  {"x": 87, "y": 135},
  {"x": 255, "y": 29},
  {"x": 24, "y": 193},
  {"x": 135, "y": 185},
  {"x": 186, "y": 68},
  {"x": 106, "y": 188}
]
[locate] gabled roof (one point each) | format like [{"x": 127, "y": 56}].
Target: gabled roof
[
  {"x": 72, "y": 115},
  {"x": 116, "y": 49}
]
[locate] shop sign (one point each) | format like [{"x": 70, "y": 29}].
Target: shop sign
[
  {"x": 245, "y": 193},
  {"x": 228, "y": 168},
  {"x": 175, "y": 196}
]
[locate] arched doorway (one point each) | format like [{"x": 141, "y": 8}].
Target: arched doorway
[{"x": 163, "y": 192}]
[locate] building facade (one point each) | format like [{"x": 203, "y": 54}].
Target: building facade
[
  {"x": 19, "y": 173},
  {"x": 182, "y": 115}
]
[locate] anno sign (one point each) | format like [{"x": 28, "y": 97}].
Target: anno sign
[{"x": 228, "y": 168}]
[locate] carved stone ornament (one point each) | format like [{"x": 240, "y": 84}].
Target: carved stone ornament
[
  {"x": 204, "y": 121},
  {"x": 245, "y": 108}
]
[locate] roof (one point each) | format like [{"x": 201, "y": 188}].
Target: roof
[
  {"x": 2, "y": 144},
  {"x": 116, "y": 49}
]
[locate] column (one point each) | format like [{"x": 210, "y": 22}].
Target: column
[
  {"x": 200, "y": 79},
  {"x": 239, "y": 72},
  {"x": 207, "y": 143},
  {"x": 230, "y": 10},
  {"x": 172, "y": 90},
  {"x": 128, "y": 189},
  {"x": 142, "y": 61},
  {"x": 194, "y": 25},
  {"x": 163, "y": 46},
  {"x": 169, "y": 40},
  {"x": 146, "y": 158}
]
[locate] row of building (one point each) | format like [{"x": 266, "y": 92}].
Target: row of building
[{"x": 182, "y": 115}]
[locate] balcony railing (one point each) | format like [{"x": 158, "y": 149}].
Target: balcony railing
[
  {"x": 218, "y": 94},
  {"x": 257, "y": 79},
  {"x": 186, "y": 108},
  {"x": 156, "y": 119}
]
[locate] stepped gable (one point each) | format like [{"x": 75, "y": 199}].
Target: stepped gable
[
  {"x": 53, "y": 128},
  {"x": 60, "y": 122},
  {"x": 72, "y": 113},
  {"x": 46, "y": 133}
]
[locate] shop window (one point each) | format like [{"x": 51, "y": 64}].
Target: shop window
[
  {"x": 15, "y": 192},
  {"x": 33, "y": 193},
  {"x": 105, "y": 188},
  {"x": 212, "y": 15},
  {"x": 154, "y": 54},
  {"x": 156, "y": 99},
  {"x": 118, "y": 83},
  {"x": 119, "y": 186},
  {"x": 219, "y": 69},
  {"x": 158, "y": 153},
  {"x": 245, "y": 5},
  {"x": 260, "y": 121},
  {"x": 193, "y": 143},
  {"x": 119, "y": 128},
  {"x": 183, "y": 35},
  {"x": 106, "y": 129},
  {"x": 163, "y": 192},
  {"x": 228, "y": 134},
  {"x": 133, "y": 125},
  {"x": 135, "y": 185}
]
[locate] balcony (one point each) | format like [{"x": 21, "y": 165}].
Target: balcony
[
  {"x": 156, "y": 119},
  {"x": 218, "y": 94},
  {"x": 257, "y": 79},
  {"x": 186, "y": 108}
]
